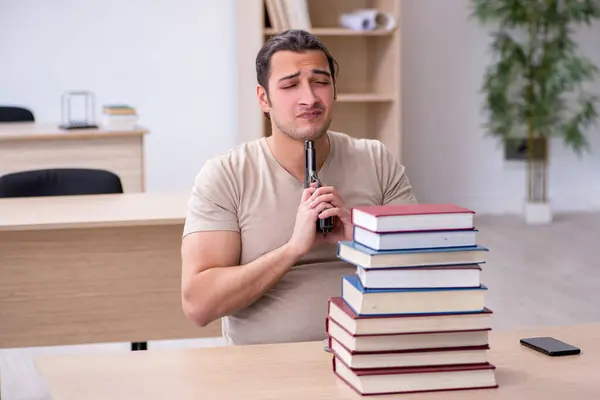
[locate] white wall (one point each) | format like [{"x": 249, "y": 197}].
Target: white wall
[
  {"x": 444, "y": 57},
  {"x": 174, "y": 60}
]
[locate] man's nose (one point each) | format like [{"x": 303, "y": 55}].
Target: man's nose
[{"x": 307, "y": 96}]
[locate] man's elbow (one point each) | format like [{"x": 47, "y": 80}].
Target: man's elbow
[{"x": 196, "y": 311}]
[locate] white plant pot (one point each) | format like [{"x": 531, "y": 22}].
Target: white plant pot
[{"x": 537, "y": 213}]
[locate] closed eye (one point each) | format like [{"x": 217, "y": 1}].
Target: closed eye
[{"x": 291, "y": 85}]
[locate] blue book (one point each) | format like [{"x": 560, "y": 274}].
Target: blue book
[
  {"x": 365, "y": 257},
  {"x": 381, "y": 302}
]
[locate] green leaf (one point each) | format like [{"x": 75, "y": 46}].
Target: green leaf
[{"x": 536, "y": 74}]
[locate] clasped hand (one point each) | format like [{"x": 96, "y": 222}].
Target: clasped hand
[{"x": 317, "y": 204}]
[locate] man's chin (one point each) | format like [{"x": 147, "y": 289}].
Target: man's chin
[
  {"x": 311, "y": 133},
  {"x": 308, "y": 135},
  {"x": 306, "y": 132}
]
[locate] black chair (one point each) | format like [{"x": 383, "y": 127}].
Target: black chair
[
  {"x": 62, "y": 182},
  {"x": 59, "y": 182},
  {"x": 15, "y": 114}
]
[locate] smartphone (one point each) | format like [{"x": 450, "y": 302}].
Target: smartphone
[{"x": 550, "y": 346}]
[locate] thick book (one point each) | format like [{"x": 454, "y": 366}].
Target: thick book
[
  {"x": 415, "y": 240},
  {"x": 416, "y": 379},
  {"x": 407, "y": 341},
  {"x": 448, "y": 276},
  {"x": 357, "y": 254},
  {"x": 412, "y": 217},
  {"x": 409, "y": 358},
  {"x": 359, "y": 325},
  {"x": 411, "y": 301}
]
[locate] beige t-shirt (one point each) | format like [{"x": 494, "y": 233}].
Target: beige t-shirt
[{"x": 248, "y": 191}]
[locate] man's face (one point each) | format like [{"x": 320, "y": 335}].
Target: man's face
[{"x": 301, "y": 94}]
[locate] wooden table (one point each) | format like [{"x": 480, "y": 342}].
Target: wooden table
[
  {"x": 304, "y": 371},
  {"x": 26, "y": 145},
  {"x": 92, "y": 269}
]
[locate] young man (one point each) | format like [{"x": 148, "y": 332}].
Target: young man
[{"x": 250, "y": 252}]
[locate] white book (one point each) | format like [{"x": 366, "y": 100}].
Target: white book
[
  {"x": 451, "y": 276},
  {"x": 415, "y": 240},
  {"x": 297, "y": 14},
  {"x": 411, "y": 301}
]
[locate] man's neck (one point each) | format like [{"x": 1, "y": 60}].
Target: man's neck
[{"x": 290, "y": 152}]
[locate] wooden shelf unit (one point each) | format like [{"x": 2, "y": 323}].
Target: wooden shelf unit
[
  {"x": 368, "y": 84},
  {"x": 335, "y": 32}
]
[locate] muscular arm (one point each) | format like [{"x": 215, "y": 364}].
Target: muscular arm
[
  {"x": 396, "y": 186},
  {"x": 214, "y": 285}
]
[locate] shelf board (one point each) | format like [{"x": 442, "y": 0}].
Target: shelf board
[
  {"x": 338, "y": 32},
  {"x": 364, "y": 98}
]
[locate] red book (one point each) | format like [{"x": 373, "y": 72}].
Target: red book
[
  {"x": 357, "y": 325},
  {"x": 466, "y": 355},
  {"x": 412, "y": 217},
  {"x": 407, "y": 341},
  {"x": 416, "y": 379}
]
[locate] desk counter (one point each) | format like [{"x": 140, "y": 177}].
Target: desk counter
[
  {"x": 92, "y": 211},
  {"x": 93, "y": 269},
  {"x": 25, "y": 146},
  {"x": 27, "y": 131},
  {"x": 301, "y": 371}
]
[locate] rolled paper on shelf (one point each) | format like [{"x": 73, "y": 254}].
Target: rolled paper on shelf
[{"x": 367, "y": 20}]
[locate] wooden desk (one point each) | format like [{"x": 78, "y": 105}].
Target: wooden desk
[
  {"x": 25, "y": 146},
  {"x": 92, "y": 269},
  {"x": 304, "y": 371}
]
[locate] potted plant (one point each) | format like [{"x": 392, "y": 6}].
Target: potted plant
[{"x": 534, "y": 90}]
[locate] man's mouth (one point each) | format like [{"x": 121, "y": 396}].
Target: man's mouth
[{"x": 311, "y": 114}]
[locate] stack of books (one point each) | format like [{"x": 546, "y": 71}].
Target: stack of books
[
  {"x": 119, "y": 117},
  {"x": 413, "y": 317}
]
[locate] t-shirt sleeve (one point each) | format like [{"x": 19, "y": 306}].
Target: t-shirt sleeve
[
  {"x": 395, "y": 184},
  {"x": 212, "y": 205}
]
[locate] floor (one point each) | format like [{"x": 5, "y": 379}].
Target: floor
[
  {"x": 542, "y": 275},
  {"x": 536, "y": 275}
]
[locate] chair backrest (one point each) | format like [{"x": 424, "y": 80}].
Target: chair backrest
[
  {"x": 15, "y": 114},
  {"x": 59, "y": 182}
]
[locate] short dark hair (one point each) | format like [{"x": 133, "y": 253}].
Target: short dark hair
[{"x": 296, "y": 40}]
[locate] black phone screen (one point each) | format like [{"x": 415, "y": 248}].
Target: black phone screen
[{"x": 550, "y": 346}]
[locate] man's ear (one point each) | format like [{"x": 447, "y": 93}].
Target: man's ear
[
  {"x": 263, "y": 98},
  {"x": 334, "y": 89}
]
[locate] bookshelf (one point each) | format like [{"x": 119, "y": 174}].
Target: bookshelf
[{"x": 368, "y": 103}]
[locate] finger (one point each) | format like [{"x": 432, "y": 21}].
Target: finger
[
  {"x": 329, "y": 198},
  {"x": 324, "y": 190},
  {"x": 334, "y": 212},
  {"x": 330, "y": 212},
  {"x": 320, "y": 208},
  {"x": 307, "y": 193}
]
